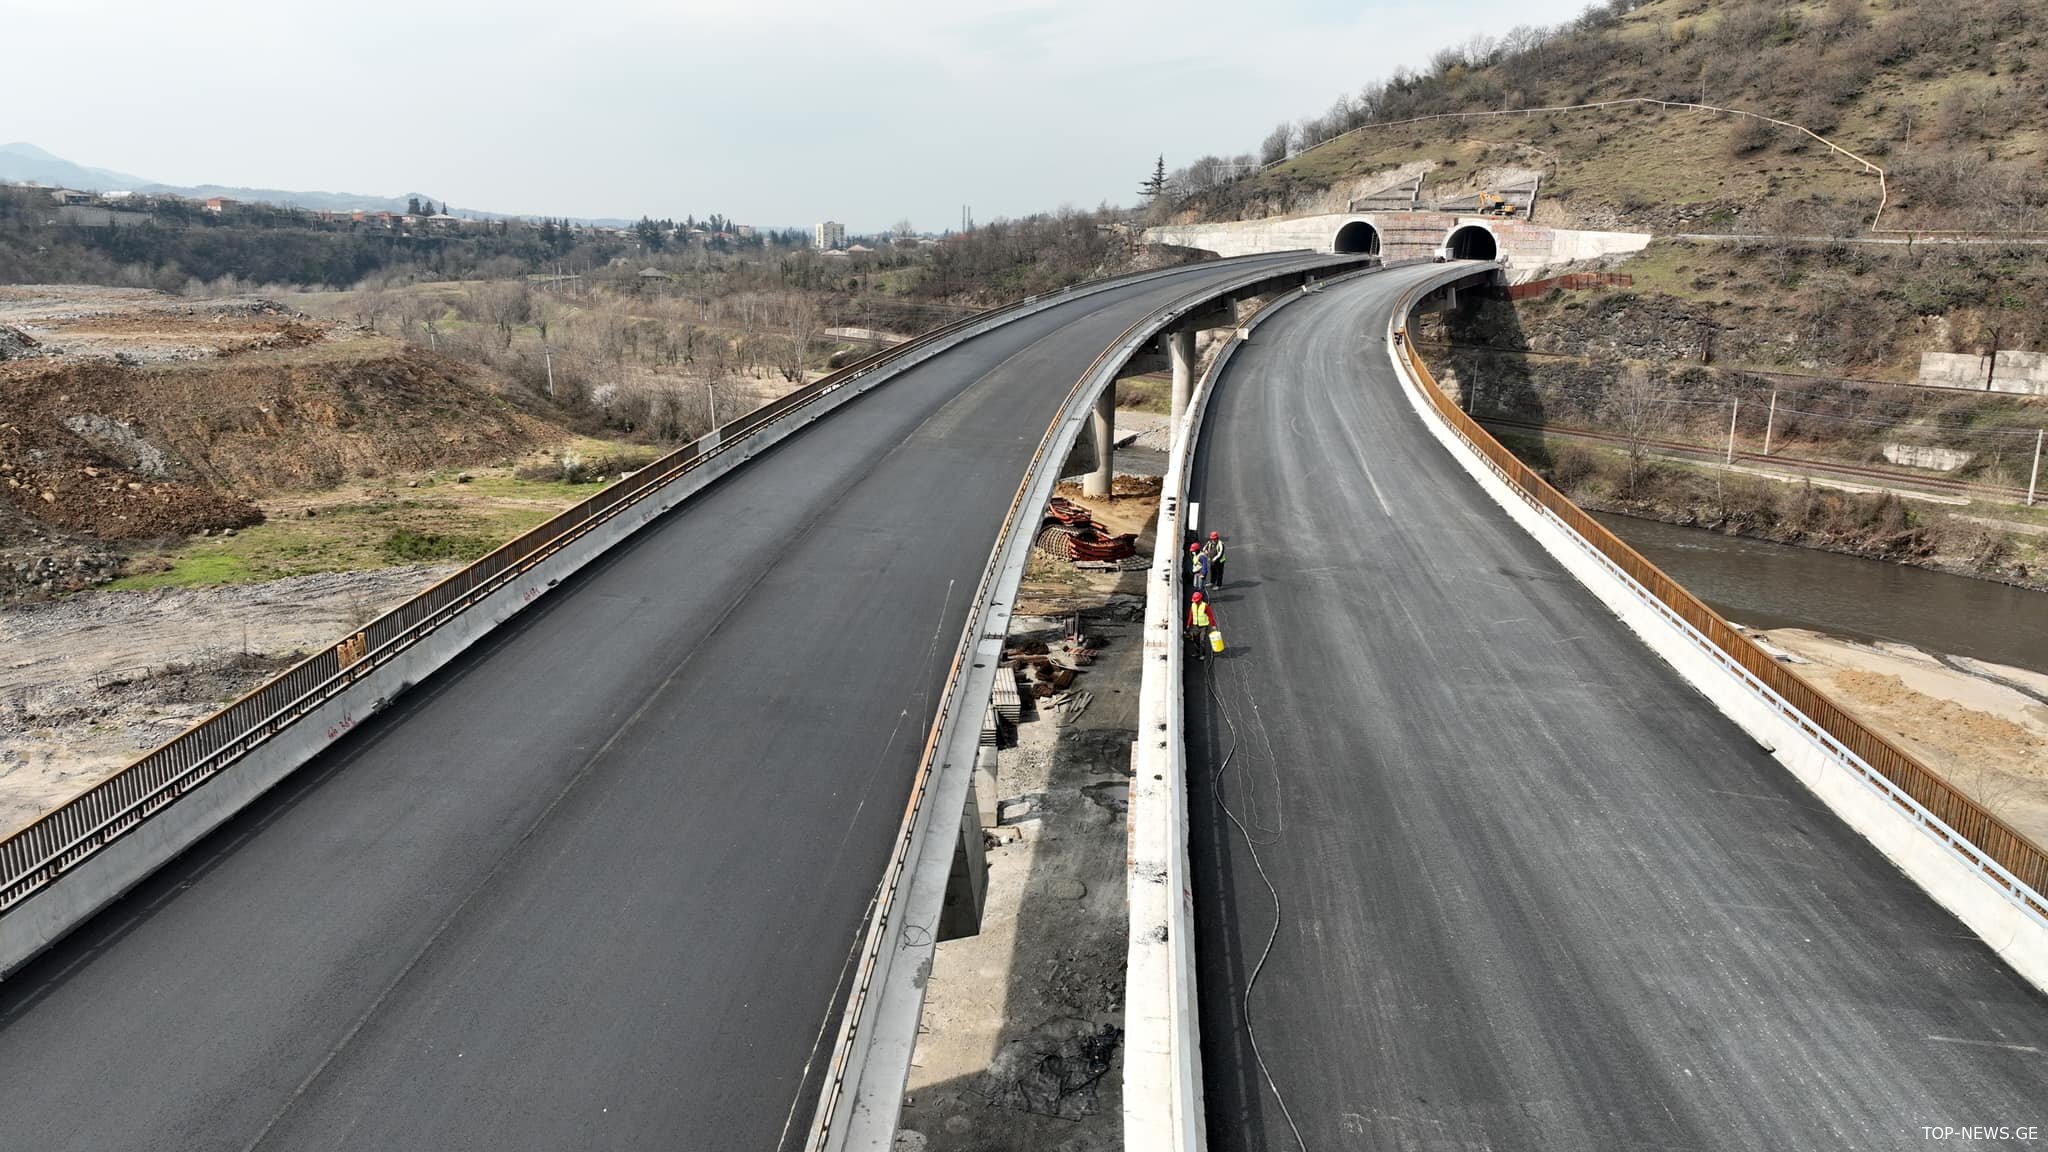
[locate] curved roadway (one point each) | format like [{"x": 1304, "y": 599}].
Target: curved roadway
[
  {"x": 594, "y": 885},
  {"x": 1535, "y": 892}
]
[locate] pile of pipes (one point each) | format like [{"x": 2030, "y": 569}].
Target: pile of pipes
[{"x": 1071, "y": 532}]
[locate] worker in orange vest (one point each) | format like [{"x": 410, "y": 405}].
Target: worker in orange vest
[{"x": 1201, "y": 621}]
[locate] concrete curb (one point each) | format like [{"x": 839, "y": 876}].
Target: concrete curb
[{"x": 1933, "y": 856}]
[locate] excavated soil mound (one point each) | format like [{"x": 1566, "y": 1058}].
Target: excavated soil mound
[{"x": 121, "y": 451}]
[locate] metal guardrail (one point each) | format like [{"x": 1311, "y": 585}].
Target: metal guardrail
[
  {"x": 36, "y": 856},
  {"x": 2005, "y": 857},
  {"x": 884, "y": 922}
]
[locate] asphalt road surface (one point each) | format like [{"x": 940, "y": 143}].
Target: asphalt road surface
[
  {"x": 595, "y": 885},
  {"x": 1534, "y": 892}
]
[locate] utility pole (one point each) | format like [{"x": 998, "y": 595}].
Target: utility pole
[
  {"x": 1771, "y": 422},
  {"x": 548, "y": 357},
  {"x": 711, "y": 405},
  {"x": 2035, "y": 478},
  {"x": 1732, "y": 410}
]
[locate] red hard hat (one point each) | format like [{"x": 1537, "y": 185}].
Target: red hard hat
[
  {"x": 1196, "y": 597},
  {"x": 1215, "y": 535},
  {"x": 1194, "y": 547}
]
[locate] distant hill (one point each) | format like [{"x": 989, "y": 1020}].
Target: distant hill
[
  {"x": 22, "y": 163},
  {"x": 1950, "y": 97},
  {"x": 28, "y": 164}
]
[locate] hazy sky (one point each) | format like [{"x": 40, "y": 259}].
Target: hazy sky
[{"x": 774, "y": 112}]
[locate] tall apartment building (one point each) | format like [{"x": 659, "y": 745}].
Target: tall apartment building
[{"x": 829, "y": 235}]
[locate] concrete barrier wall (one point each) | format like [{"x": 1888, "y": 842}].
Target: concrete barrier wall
[
  {"x": 1880, "y": 811},
  {"x": 1163, "y": 1108},
  {"x": 878, "y": 1034},
  {"x": 42, "y": 919}
]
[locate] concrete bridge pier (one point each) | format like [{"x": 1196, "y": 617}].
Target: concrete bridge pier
[
  {"x": 1102, "y": 424},
  {"x": 1180, "y": 353}
]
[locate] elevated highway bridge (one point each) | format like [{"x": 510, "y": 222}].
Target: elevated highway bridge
[
  {"x": 604, "y": 880},
  {"x": 1470, "y": 866},
  {"x": 1473, "y": 867}
]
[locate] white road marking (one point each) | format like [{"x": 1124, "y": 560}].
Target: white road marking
[{"x": 1988, "y": 1044}]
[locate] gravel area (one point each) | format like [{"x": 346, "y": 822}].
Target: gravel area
[{"x": 92, "y": 681}]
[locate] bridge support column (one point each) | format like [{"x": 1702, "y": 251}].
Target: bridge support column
[
  {"x": 1103, "y": 424},
  {"x": 967, "y": 883},
  {"x": 1180, "y": 350}
]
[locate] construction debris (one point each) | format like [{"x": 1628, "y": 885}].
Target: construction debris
[
  {"x": 1066, "y": 707},
  {"x": 1004, "y": 700},
  {"x": 1070, "y": 531}
]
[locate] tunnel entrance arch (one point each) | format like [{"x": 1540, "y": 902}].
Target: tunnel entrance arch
[
  {"x": 1357, "y": 238},
  {"x": 1472, "y": 242}
]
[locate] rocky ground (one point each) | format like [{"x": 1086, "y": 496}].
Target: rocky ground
[
  {"x": 90, "y": 682},
  {"x": 136, "y": 325}
]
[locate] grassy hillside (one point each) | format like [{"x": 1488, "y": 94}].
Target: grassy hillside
[{"x": 1950, "y": 98}]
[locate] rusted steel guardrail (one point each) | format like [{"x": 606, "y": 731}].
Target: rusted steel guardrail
[
  {"x": 38, "y": 855},
  {"x": 2006, "y": 858}
]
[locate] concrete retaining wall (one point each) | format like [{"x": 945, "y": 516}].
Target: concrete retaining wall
[
  {"x": 1954, "y": 370},
  {"x": 1884, "y": 814},
  {"x": 1922, "y": 456},
  {"x": 1529, "y": 249},
  {"x": 2023, "y": 372},
  {"x": 2020, "y": 373}
]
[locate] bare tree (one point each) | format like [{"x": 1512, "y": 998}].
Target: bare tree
[
  {"x": 800, "y": 326},
  {"x": 1633, "y": 408},
  {"x": 1276, "y": 145}
]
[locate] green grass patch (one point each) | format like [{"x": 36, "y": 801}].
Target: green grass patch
[
  {"x": 189, "y": 570},
  {"x": 1149, "y": 393},
  {"x": 446, "y": 522},
  {"x": 408, "y": 546}
]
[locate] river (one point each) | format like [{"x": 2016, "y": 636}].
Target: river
[{"x": 1766, "y": 585}]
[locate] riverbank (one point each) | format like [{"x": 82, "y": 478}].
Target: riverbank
[
  {"x": 1975, "y": 548},
  {"x": 1982, "y": 726}
]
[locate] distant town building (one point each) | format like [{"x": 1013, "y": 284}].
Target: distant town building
[
  {"x": 743, "y": 231},
  {"x": 858, "y": 249},
  {"x": 829, "y": 235},
  {"x": 220, "y": 204},
  {"x": 69, "y": 196},
  {"x": 93, "y": 216}
]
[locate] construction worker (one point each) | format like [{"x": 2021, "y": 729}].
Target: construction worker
[
  {"x": 1198, "y": 568},
  {"x": 1201, "y": 619},
  {"x": 1214, "y": 550}
]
